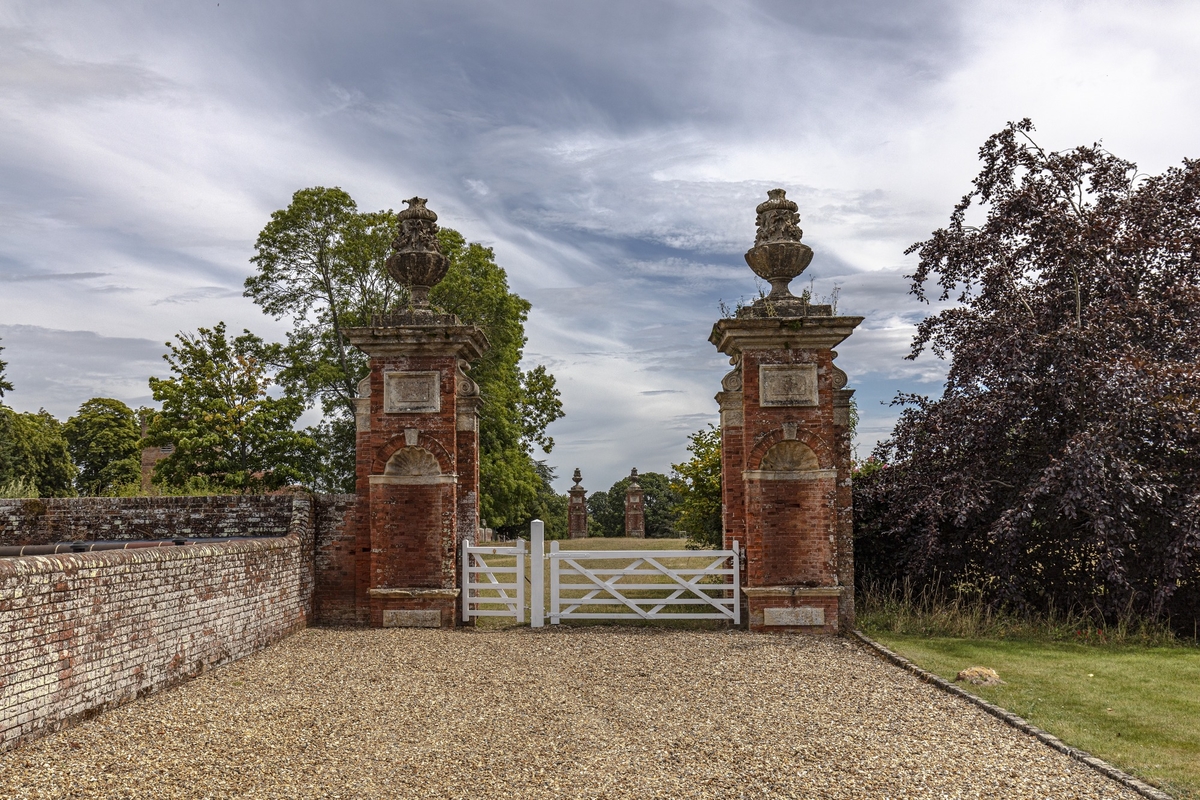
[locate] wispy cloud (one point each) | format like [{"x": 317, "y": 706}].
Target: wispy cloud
[
  {"x": 52, "y": 276},
  {"x": 611, "y": 153},
  {"x": 199, "y": 293}
]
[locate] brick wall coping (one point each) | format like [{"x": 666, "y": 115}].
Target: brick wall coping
[
  {"x": 1009, "y": 718},
  {"x": 794, "y": 591},
  {"x": 72, "y": 563},
  {"x": 61, "y": 519}
]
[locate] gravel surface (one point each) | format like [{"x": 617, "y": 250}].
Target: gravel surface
[{"x": 578, "y": 713}]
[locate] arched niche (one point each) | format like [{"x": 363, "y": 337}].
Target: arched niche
[
  {"x": 789, "y": 456},
  {"x": 412, "y": 462}
]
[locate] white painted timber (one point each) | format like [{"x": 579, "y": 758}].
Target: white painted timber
[
  {"x": 537, "y": 555},
  {"x": 490, "y": 590},
  {"x": 641, "y": 584}
]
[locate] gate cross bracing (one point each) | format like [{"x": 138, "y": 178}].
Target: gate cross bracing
[
  {"x": 592, "y": 584},
  {"x": 509, "y": 593}
]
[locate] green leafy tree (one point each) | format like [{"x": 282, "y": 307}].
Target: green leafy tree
[
  {"x": 548, "y": 506},
  {"x": 606, "y": 510},
  {"x": 33, "y": 452},
  {"x": 103, "y": 439},
  {"x": 5, "y": 385},
  {"x": 228, "y": 432},
  {"x": 697, "y": 482},
  {"x": 34, "y": 461},
  {"x": 320, "y": 263},
  {"x": 517, "y": 406}
]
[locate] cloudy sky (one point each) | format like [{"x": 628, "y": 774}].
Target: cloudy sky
[{"x": 612, "y": 153}]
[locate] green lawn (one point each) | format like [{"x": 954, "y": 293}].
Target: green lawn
[{"x": 1136, "y": 707}]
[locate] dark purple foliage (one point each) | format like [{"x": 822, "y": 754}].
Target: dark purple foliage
[{"x": 1062, "y": 463}]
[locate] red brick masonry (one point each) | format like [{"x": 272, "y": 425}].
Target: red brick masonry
[{"x": 84, "y": 632}]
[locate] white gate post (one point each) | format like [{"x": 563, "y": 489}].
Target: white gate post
[
  {"x": 520, "y": 581},
  {"x": 554, "y": 588},
  {"x": 537, "y": 549},
  {"x": 737, "y": 583},
  {"x": 466, "y": 580}
]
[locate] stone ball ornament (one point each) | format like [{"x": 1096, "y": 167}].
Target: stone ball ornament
[
  {"x": 778, "y": 255},
  {"x": 418, "y": 262}
]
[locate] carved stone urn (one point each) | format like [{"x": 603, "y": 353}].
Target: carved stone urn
[
  {"x": 778, "y": 255},
  {"x": 418, "y": 262}
]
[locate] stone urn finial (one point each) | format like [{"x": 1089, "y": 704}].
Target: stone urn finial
[
  {"x": 633, "y": 477},
  {"x": 418, "y": 262},
  {"x": 577, "y": 477},
  {"x": 778, "y": 255}
]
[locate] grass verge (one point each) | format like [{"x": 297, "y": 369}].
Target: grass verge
[
  {"x": 1136, "y": 707},
  {"x": 939, "y": 612}
]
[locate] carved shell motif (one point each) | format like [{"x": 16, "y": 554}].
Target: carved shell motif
[
  {"x": 790, "y": 456},
  {"x": 412, "y": 461}
]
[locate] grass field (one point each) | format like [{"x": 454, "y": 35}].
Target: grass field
[
  {"x": 1135, "y": 707},
  {"x": 601, "y": 543}
]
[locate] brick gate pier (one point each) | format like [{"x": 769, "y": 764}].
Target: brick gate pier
[{"x": 785, "y": 441}]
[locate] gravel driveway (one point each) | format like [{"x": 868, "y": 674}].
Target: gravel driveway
[{"x": 578, "y": 713}]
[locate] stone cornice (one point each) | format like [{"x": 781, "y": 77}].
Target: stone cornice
[
  {"x": 412, "y": 593},
  {"x": 412, "y": 480},
  {"x": 733, "y": 336},
  {"x": 793, "y": 591},
  {"x": 789, "y": 475},
  {"x": 467, "y": 342}
]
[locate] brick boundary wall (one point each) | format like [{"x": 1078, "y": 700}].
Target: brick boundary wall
[
  {"x": 81, "y": 633},
  {"x": 336, "y": 600},
  {"x": 58, "y": 519}
]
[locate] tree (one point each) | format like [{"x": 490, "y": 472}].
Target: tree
[
  {"x": 226, "y": 429},
  {"x": 103, "y": 439},
  {"x": 517, "y": 406},
  {"x": 697, "y": 482},
  {"x": 5, "y": 385},
  {"x": 1061, "y": 465},
  {"x": 548, "y": 506},
  {"x": 320, "y": 262},
  {"x": 33, "y": 454},
  {"x": 606, "y": 510}
]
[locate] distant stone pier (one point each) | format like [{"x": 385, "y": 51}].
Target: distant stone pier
[
  {"x": 577, "y": 517},
  {"x": 635, "y": 508}
]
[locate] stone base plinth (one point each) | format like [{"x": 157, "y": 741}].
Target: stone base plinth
[
  {"x": 413, "y": 608},
  {"x": 794, "y": 609}
]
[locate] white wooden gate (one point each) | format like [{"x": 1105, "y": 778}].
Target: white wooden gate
[
  {"x": 485, "y": 595},
  {"x": 644, "y": 584},
  {"x": 600, "y": 584}
]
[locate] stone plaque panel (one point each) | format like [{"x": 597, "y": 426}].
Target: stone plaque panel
[
  {"x": 412, "y": 392},
  {"x": 787, "y": 385},
  {"x": 803, "y": 615},
  {"x": 426, "y": 618}
]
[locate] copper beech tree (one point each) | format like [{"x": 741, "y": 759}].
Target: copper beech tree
[{"x": 1061, "y": 466}]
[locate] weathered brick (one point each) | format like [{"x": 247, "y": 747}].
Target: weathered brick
[{"x": 68, "y": 651}]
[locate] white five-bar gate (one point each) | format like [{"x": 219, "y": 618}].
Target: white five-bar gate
[
  {"x": 600, "y": 584},
  {"x": 492, "y": 585}
]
